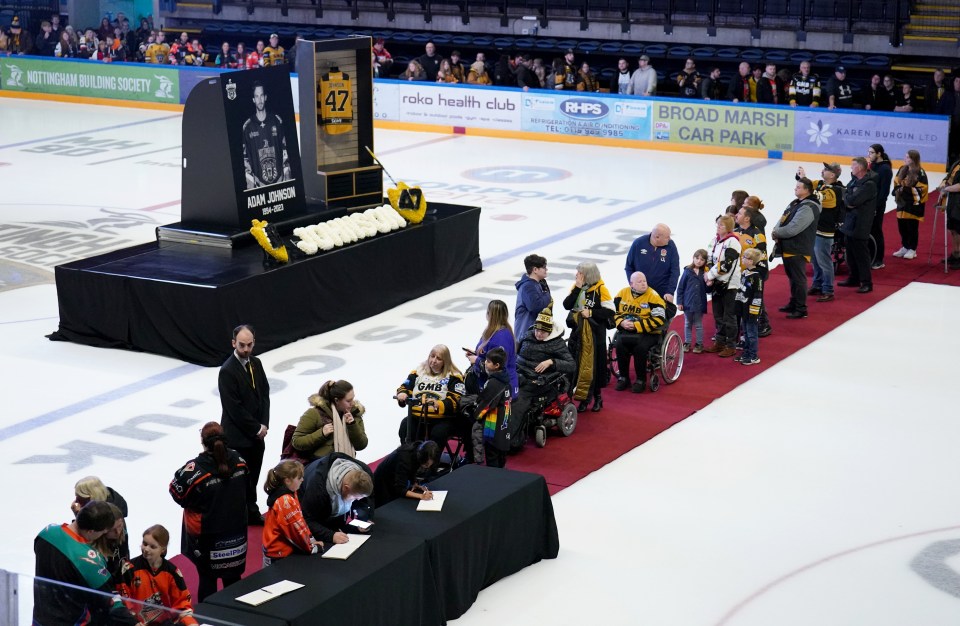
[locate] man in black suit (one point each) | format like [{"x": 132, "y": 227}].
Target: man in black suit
[{"x": 245, "y": 398}]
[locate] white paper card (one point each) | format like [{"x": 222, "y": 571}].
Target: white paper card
[
  {"x": 433, "y": 505},
  {"x": 282, "y": 587},
  {"x": 258, "y": 597},
  {"x": 344, "y": 550}
]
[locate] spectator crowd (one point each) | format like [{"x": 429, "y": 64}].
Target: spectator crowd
[
  {"x": 115, "y": 41},
  {"x": 764, "y": 83}
]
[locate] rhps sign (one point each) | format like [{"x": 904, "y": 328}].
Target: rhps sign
[{"x": 584, "y": 109}]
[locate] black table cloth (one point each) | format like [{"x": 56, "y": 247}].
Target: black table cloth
[
  {"x": 221, "y": 616},
  {"x": 387, "y": 581},
  {"x": 183, "y": 300},
  {"x": 418, "y": 568},
  {"x": 494, "y": 523}
]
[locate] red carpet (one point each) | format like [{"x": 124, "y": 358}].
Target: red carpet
[{"x": 628, "y": 420}]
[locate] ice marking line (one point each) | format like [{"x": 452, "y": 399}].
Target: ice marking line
[
  {"x": 130, "y": 156},
  {"x": 800, "y": 570},
  {"x": 87, "y": 132},
  {"x": 603, "y": 221},
  {"x": 35, "y": 319},
  {"x": 90, "y": 403},
  {"x": 417, "y": 145},
  {"x": 163, "y": 205}
]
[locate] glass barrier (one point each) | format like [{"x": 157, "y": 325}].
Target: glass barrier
[{"x": 26, "y": 600}]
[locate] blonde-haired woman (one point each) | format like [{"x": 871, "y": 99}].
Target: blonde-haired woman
[
  {"x": 91, "y": 488},
  {"x": 591, "y": 314},
  {"x": 438, "y": 385},
  {"x": 478, "y": 74},
  {"x": 333, "y": 423}
]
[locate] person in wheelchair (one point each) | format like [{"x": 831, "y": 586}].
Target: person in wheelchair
[
  {"x": 542, "y": 352},
  {"x": 640, "y": 321},
  {"x": 433, "y": 391}
]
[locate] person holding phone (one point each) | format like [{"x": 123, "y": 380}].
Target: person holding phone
[{"x": 498, "y": 333}]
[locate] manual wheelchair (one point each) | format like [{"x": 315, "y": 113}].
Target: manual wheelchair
[{"x": 665, "y": 358}]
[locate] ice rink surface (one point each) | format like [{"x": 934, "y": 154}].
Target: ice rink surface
[{"x": 821, "y": 492}]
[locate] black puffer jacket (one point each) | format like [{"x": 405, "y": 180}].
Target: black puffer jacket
[{"x": 532, "y": 352}]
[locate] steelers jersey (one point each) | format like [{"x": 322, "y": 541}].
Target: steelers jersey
[
  {"x": 264, "y": 150},
  {"x": 334, "y": 105}
]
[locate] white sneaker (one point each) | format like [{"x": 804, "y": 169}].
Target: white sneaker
[
  {"x": 910, "y": 254},
  {"x": 900, "y": 252}
]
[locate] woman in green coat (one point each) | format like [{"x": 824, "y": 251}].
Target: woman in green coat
[{"x": 333, "y": 423}]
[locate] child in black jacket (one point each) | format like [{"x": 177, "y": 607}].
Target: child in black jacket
[
  {"x": 491, "y": 431},
  {"x": 749, "y": 301}
]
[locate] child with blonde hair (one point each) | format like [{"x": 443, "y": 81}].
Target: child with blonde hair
[{"x": 749, "y": 303}]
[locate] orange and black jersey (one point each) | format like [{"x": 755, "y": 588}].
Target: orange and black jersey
[
  {"x": 284, "y": 529},
  {"x": 164, "y": 587},
  {"x": 212, "y": 503}
]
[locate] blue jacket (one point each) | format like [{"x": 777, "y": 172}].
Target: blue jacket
[
  {"x": 532, "y": 297},
  {"x": 661, "y": 266},
  {"x": 692, "y": 291}
]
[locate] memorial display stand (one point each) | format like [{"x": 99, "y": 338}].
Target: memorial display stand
[
  {"x": 233, "y": 115},
  {"x": 241, "y": 162}
]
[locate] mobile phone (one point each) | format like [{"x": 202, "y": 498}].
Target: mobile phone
[
  {"x": 359, "y": 523},
  {"x": 468, "y": 350}
]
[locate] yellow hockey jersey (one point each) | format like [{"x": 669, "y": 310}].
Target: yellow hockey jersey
[{"x": 334, "y": 103}]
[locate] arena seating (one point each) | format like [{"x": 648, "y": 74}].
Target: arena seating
[
  {"x": 602, "y": 55},
  {"x": 842, "y": 13}
]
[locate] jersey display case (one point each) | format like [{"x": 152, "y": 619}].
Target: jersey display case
[{"x": 336, "y": 123}]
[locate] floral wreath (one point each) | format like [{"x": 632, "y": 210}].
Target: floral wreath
[{"x": 269, "y": 239}]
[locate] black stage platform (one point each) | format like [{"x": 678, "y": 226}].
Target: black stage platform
[
  {"x": 183, "y": 300},
  {"x": 417, "y": 569}
]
